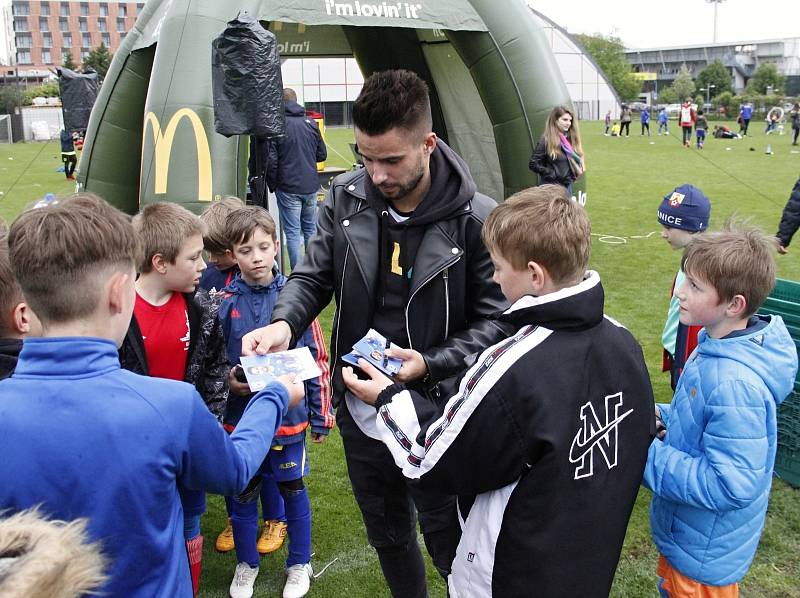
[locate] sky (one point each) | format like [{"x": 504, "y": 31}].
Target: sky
[{"x": 675, "y": 22}]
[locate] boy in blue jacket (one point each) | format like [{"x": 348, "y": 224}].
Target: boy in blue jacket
[
  {"x": 711, "y": 471},
  {"x": 83, "y": 437},
  {"x": 247, "y": 304}
]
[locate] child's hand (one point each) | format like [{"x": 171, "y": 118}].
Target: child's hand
[
  {"x": 236, "y": 387},
  {"x": 661, "y": 429},
  {"x": 295, "y": 388},
  {"x": 414, "y": 366},
  {"x": 365, "y": 390}
]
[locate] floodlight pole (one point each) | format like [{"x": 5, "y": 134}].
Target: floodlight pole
[{"x": 715, "y": 3}]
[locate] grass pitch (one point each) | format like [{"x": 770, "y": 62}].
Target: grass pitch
[{"x": 627, "y": 177}]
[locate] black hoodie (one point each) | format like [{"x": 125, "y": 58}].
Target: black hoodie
[
  {"x": 9, "y": 352},
  {"x": 451, "y": 188}
]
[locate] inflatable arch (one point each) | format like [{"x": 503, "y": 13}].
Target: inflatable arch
[{"x": 151, "y": 137}]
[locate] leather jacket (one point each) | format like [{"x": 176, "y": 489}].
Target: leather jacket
[{"x": 451, "y": 295}]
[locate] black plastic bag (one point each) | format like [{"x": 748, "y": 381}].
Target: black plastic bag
[
  {"x": 78, "y": 94},
  {"x": 246, "y": 80}
]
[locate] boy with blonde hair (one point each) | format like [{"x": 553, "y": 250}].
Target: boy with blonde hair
[
  {"x": 546, "y": 438},
  {"x": 222, "y": 266},
  {"x": 248, "y": 304},
  {"x": 86, "y": 439},
  {"x": 174, "y": 332},
  {"x": 17, "y": 319},
  {"x": 711, "y": 471}
]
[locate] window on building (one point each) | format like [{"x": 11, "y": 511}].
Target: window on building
[
  {"x": 44, "y": 9},
  {"x": 103, "y": 9},
  {"x": 123, "y": 10},
  {"x": 64, "y": 53},
  {"x": 23, "y": 56},
  {"x": 66, "y": 40},
  {"x": 101, "y": 25},
  {"x": 85, "y": 53},
  {"x": 106, "y": 38},
  {"x": 46, "y": 58},
  {"x": 83, "y": 24},
  {"x": 47, "y": 40},
  {"x": 84, "y": 9},
  {"x": 63, "y": 24},
  {"x": 43, "y": 24},
  {"x": 24, "y": 41},
  {"x": 64, "y": 9},
  {"x": 86, "y": 40},
  {"x": 139, "y": 8},
  {"x": 120, "y": 24},
  {"x": 21, "y": 24},
  {"x": 20, "y": 9},
  {"x": 122, "y": 35}
]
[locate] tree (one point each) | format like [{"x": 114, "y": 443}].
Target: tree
[
  {"x": 69, "y": 62},
  {"x": 99, "y": 59},
  {"x": 609, "y": 53},
  {"x": 667, "y": 96},
  {"x": 766, "y": 75},
  {"x": 683, "y": 84},
  {"x": 717, "y": 75}
]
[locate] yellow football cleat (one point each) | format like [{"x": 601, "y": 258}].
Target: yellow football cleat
[
  {"x": 271, "y": 537},
  {"x": 225, "y": 541}
]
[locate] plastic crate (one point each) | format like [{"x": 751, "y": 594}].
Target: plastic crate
[{"x": 784, "y": 300}]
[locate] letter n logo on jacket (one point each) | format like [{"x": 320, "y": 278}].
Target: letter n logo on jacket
[{"x": 594, "y": 434}]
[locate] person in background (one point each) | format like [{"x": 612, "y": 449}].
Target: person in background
[
  {"x": 790, "y": 219},
  {"x": 745, "y": 114},
  {"x": 68, "y": 155},
  {"x": 687, "y": 116},
  {"x": 292, "y": 173},
  {"x": 794, "y": 116},
  {"x": 700, "y": 127},
  {"x": 221, "y": 268},
  {"x": 644, "y": 119},
  {"x": 625, "y": 121},
  {"x": 558, "y": 156},
  {"x": 663, "y": 121},
  {"x": 608, "y": 124}
]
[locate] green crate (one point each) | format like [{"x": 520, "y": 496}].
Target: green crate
[{"x": 785, "y": 302}]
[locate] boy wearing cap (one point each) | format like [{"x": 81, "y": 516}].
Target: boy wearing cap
[{"x": 683, "y": 213}]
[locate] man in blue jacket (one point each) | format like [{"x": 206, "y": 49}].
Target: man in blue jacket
[
  {"x": 292, "y": 174},
  {"x": 84, "y": 438}
]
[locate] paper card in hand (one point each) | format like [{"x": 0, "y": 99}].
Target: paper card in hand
[
  {"x": 263, "y": 369},
  {"x": 373, "y": 348}
]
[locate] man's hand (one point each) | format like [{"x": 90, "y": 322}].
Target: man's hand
[
  {"x": 782, "y": 250},
  {"x": 365, "y": 390},
  {"x": 295, "y": 388},
  {"x": 318, "y": 438},
  {"x": 236, "y": 387},
  {"x": 414, "y": 366},
  {"x": 270, "y": 339}
]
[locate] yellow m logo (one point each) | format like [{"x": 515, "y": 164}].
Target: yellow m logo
[{"x": 163, "y": 148}]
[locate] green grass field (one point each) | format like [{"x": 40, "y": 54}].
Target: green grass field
[{"x": 627, "y": 177}]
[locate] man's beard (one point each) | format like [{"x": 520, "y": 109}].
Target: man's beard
[{"x": 408, "y": 187}]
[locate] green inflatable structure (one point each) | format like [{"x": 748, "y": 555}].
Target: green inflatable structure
[{"x": 492, "y": 75}]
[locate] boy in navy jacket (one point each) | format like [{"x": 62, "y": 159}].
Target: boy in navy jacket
[
  {"x": 222, "y": 266},
  {"x": 84, "y": 438},
  {"x": 247, "y": 304}
]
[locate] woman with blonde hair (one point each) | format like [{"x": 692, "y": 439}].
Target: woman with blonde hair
[{"x": 558, "y": 157}]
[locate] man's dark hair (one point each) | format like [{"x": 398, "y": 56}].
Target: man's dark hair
[{"x": 392, "y": 99}]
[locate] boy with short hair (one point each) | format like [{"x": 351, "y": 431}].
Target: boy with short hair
[
  {"x": 222, "y": 266},
  {"x": 174, "y": 332},
  {"x": 711, "y": 473},
  {"x": 684, "y": 213},
  {"x": 700, "y": 127},
  {"x": 546, "y": 438},
  {"x": 17, "y": 319},
  {"x": 83, "y": 438},
  {"x": 248, "y": 304}
]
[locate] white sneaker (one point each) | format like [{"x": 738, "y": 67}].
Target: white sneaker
[
  {"x": 243, "y": 580},
  {"x": 298, "y": 580}
]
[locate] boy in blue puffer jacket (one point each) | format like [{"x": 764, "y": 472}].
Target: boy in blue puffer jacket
[
  {"x": 247, "y": 304},
  {"x": 711, "y": 471}
]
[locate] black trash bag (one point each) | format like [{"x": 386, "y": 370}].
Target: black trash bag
[
  {"x": 78, "y": 94},
  {"x": 246, "y": 80}
]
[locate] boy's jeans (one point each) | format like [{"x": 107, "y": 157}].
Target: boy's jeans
[{"x": 298, "y": 212}]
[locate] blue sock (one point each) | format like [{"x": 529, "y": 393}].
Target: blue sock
[
  {"x": 298, "y": 528},
  {"x": 271, "y": 500},
  {"x": 191, "y": 527},
  {"x": 244, "y": 521}
]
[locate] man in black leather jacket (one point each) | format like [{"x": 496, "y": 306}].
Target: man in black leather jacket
[{"x": 398, "y": 246}]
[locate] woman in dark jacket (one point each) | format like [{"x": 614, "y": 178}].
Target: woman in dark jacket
[{"x": 558, "y": 157}]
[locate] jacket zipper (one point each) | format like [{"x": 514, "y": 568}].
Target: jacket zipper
[
  {"x": 446, "y": 294},
  {"x": 340, "y": 305},
  {"x": 445, "y": 276}
]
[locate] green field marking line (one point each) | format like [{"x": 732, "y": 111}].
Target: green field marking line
[{"x": 22, "y": 174}]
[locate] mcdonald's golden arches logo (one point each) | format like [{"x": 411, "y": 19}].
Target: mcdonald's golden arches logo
[{"x": 162, "y": 143}]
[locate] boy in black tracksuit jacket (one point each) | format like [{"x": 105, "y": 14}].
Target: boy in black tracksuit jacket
[{"x": 546, "y": 439}]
